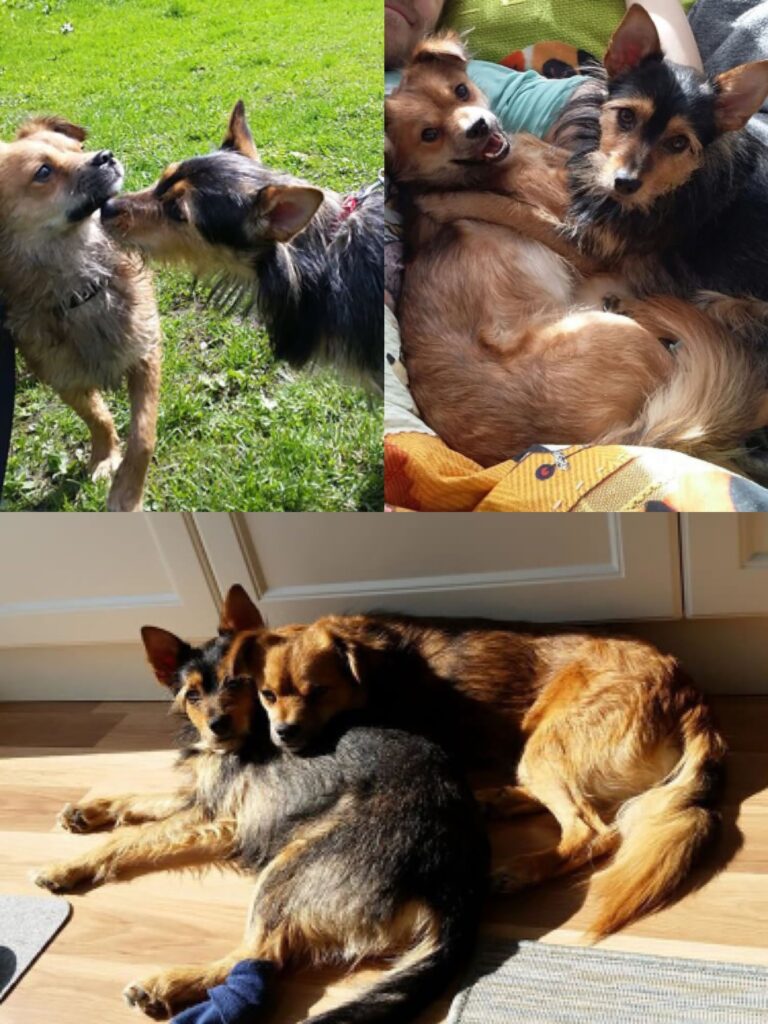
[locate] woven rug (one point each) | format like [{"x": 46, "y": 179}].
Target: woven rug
[
  {"x": 533, "y": 983},
  {"x": 27, "y": 925}
]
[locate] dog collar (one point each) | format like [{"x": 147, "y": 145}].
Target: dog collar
[
  {"x": 88, "y": 291},
  {"x": 355, "y": 200}
]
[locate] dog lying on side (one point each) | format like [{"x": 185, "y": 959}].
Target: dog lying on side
[
  {"x": 309, "y": 260},
  {"x": 604, "y": 732},
  {"x": 367, "y": 847},
  {"x": 81, "y": 310},
  {"x": 501, "y": 347}
]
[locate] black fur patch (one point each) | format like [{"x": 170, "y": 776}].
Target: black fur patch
[{"x": 712, "y": 232}]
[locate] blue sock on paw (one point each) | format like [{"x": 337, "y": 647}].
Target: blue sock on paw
[{"x": 235, "y": 1001}]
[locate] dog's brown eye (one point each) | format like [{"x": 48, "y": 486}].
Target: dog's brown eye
[
  {"x": 626, "y": 118},
  {"x": 43, "y": 173},
  {"x": 192, "y": 697},
  {"x": 268, "y": 696},
  {"x": 233, "y": 685},
  {"x": 677, "y": 143},
  {"x": 462, "y": 91},
  {"x": 430, "y": 134}
]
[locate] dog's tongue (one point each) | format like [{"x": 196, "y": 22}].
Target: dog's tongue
[{"x": 494, "y": 145}]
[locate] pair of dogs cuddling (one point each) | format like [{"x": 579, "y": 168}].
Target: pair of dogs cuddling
[
  {"x": 80, "y": 303},
  {"x": 327, "y": 760},
  {"x": 627, "y": 302}
]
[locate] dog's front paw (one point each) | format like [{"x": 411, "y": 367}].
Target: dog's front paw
[
  {"x": 142, "y": 996},
  {"x": 86, "y": 817},
  {"x": 125, "y": 494},
  {"x": 104, "y": 467},
  {"x": 60, "y": 878}
]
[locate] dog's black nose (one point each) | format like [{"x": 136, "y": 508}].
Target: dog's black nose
[
  {"x": 626, "y": 185},
  {"x": 220, "y": 725},
  {"x": 478, "y": 129},
  {"x": 287, "y": 731},
  {"x": 104, "y": 156}
]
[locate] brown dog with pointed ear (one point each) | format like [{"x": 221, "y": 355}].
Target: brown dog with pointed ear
[
  {"x": 605, "y": 732},
  {"x": 310, "y": 260},
  {"x": 82, "y": 311}
]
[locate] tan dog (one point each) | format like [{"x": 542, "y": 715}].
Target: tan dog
[
  {"x": 501, "y": 349},
  {"x": 81, "y": 310},
  {"x": 604, "y": 732}
]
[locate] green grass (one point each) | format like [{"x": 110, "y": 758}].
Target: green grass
[{"x": 155, "y": 82}]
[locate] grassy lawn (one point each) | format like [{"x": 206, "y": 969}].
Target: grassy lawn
[{"x": 154, "y": 82}]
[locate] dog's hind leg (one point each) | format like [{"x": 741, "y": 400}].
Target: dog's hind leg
[
  {"x": 164, "y": 994},
  {"x": 144, "y": 390},
  {"x": 584, "y": 835},
  {"x": 185, "y": 840},
  {"x": 111, "y": 812},
  {"x": 507, "y": 802},
  {"x": 105, "y": 446}
]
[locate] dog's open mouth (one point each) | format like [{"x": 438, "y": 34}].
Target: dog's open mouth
[{"x": 496, "y": 146}]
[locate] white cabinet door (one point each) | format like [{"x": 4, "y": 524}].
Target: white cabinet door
[
  {"x": 725, "y": 564},
  {"x": 75, "y": 590},
  {"x": 547, "y": 568}
]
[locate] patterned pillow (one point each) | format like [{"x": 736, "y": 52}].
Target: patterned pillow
[{"x": 502, "y": 27}]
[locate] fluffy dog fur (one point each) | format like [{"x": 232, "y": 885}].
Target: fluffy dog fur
[
  {"x": 666, "y": 180},
  {"x": 312, "y": 268},
  {"x": 81, "y": 310},
  {"x": 365, "y": 847},
  {"x": 605, "y": 732},
  {"x": 501, "y": 348}
]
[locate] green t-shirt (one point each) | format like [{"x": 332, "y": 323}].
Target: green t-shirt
[{"x": 524, "y": 101}]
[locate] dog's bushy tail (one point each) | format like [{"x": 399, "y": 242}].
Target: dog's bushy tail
[
  {"x": 414, "y": 982},
  {"x": 710, "y": 402},
  {"x": 662, "y": 830}
]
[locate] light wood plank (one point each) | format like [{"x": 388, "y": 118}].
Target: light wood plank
[{"x": 56, "y": 753}]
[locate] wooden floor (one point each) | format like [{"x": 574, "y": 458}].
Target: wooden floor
[{"x": 55, "y": 753}]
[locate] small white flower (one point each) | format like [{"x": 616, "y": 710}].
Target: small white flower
[{"x": 67, "y": 27}]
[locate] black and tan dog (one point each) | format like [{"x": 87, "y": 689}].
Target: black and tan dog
[
  {"x": 308, "y": 259},
  {"x": 82, "y": 311},
  {"x": 604, "y": 732},
  {"x": 667, "y": 179},
  {"x": 366, "y": 846}
]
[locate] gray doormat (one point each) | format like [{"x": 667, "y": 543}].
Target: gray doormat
[
  {"x": 27, "y": 925},
  {"x": 533, "y": 983}
]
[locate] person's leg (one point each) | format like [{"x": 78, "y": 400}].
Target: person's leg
[{"x": 7, "y": 394}]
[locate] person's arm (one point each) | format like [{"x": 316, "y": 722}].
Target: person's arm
[{"x": 677, "y": 39}]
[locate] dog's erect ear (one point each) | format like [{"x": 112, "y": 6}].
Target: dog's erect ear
[
  {"x": 446, "y": 47},
  {"x": 740, "y": 94},
  {"x": 52, "y": 124},
  {"x": 166, "y": 653},
  {"x": 249, "y": 650},
  {"x": 285, "y": 210},
  {"x": 635, "y": 39},
  {"x": 239, "y": 612},
  {"x": 238, "y": 137},
  {"x": 350, "y": 654}
]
